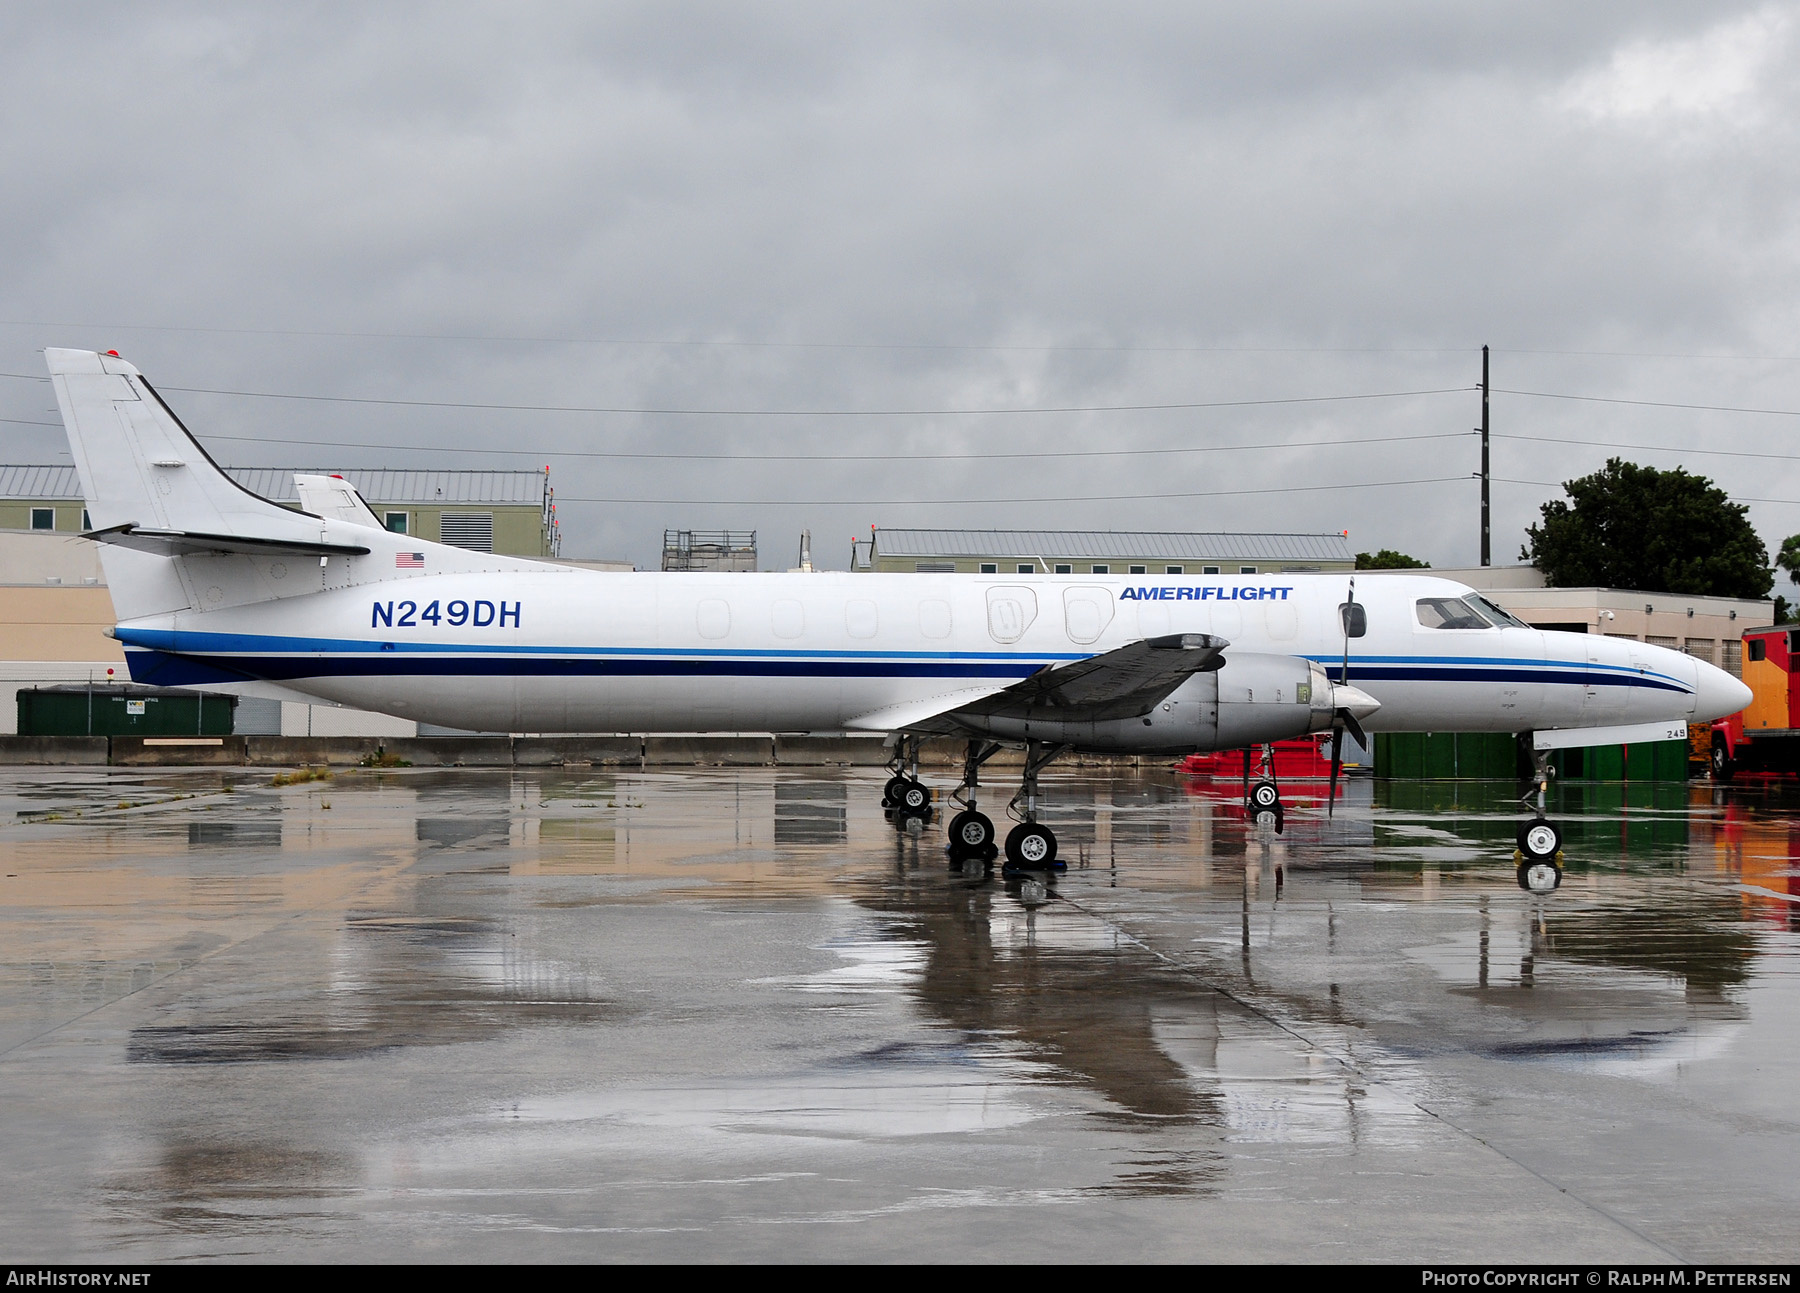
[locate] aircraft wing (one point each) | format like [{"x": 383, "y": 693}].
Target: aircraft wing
[{"x": 1123, "y": 683}]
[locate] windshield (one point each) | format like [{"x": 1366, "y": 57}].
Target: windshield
[
  {"x": 1451, "y": 613},
  {"x": 1504, "y": 619}
]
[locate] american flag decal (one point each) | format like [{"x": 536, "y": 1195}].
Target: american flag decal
[{"x": 409, "y": 561}]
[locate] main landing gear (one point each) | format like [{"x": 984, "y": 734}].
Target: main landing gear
[
  {"x": 971, "y": 830},
  {"x": 1540, "y": 841},
  {"x": 905, "y": 798},
  {"x": 1262, "y": 797},
  {"x": 1031, "y": 846}
]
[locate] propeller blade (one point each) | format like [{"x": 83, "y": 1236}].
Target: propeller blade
[{"x": 1355, "y": 727}]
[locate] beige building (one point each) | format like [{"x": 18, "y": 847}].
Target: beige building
[
  {"x": 1097, "y": 552},
  {"x": 510, "y": 512}
]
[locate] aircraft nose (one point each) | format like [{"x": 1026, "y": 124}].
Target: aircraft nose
[{"x": 1718, "y": 694}]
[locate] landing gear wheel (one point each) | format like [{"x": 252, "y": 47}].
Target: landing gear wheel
[
  {"x": 1264, "y": 796},
  {"x": 1539, "y": 841},
  {"x": 890, "y": 793},
  {"x": 971, "y": 833},
  {"x": 1539, "y": 877},
  {"x": 911, "y": 797},
  {"x": 1031, "y": 847}
]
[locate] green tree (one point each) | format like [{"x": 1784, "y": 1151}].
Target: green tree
[
  {"x": 1628, "y": 526},
  {"x": 1388, "y": 559},
  {"x": 1789, "y": 557}
]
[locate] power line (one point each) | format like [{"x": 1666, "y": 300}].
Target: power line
[
  {"x": 816, "y": 413},
  {"x": 792, "y": 413},
  {"x": 992, "y": 502},
  {"x": 834, "y": 457},
  {"x": 748, "y": 344},
  {"x": 1647, "y": 448},
  {"x": 1650, "y": 404},
  {"x": 1557, "y": 484}
]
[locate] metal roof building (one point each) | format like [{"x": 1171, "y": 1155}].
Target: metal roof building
[
  {"x": 1081, "y": 552},
  {"x": 513, "y": 512}
]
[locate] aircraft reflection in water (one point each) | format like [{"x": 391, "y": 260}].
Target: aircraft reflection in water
[{"x": 445, "y": 964}]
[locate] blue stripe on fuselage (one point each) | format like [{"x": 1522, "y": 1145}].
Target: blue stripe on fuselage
[{"x": 197, "y": 658}]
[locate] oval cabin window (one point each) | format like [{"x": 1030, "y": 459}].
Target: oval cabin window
[
  {"x": 788, "y": 618},
  {"x": 861, "y": 619},
  {"x": 713, "y": 618}
]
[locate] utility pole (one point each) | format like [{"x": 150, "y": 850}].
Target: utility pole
[{"x": 1487, "y": 558}]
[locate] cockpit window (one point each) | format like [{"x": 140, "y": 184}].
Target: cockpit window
[
  {"x": 1450, "y": 613},
  {"x": 1505, "y": 619}
]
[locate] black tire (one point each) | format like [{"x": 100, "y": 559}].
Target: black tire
[
  {"x": 1539, "y": 841},
  {"x": 1264, "y": 795},
  {"x": 1723, "y": 765},
  {"x": 1031, "y": 846},
  {"x": 890, "y": 793},
  {"x": 912, "y": 797},
  {"x": 971, "y": 834}
]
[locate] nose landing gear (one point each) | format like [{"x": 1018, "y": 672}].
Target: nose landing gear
[{"x": 1540, "y": 840}]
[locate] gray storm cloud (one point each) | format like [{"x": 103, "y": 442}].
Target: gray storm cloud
[{"x": 913, "y": 208}]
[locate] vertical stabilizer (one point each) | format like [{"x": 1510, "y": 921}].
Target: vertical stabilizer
[{"x": 140, "y": 467}]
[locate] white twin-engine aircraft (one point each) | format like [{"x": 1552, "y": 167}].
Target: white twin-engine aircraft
[{"x": 217, "y": 587}]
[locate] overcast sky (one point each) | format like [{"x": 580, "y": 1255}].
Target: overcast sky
[{"x": 792, "y": 213}]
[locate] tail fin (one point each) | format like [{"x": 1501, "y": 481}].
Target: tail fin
[
  {"x": 140, "y": 466},
  {"x": 178, "y": 534},
  {"x": 153, "y": 494}
]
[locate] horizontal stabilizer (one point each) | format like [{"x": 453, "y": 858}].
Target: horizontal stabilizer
[{"x": 184, "y": 543}]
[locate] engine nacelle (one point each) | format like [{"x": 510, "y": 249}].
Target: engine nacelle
[{"x": 1250, "y": 699}]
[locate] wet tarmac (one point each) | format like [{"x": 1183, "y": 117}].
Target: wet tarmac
[{"x": 734, "y": 1015}]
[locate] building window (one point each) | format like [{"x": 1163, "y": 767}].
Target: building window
[
  {"x": 1246, "y": 570},
  {"x": 1099, "y": 570},
  {"x": 1064, "y": 568},
  {"x": 43, "y": 518},
  {"x": 1209, "y": 570},
  {"x": 1025, "y": 567},
  {"x": 1173, "y": 570},
  {"x": 85, "y": 523},
  {"x": 990, "y": 567},
  {"x": 396, "y": 521},
  {"x": 1138, "y": 570}
]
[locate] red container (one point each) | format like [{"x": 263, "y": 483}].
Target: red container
[{"x": 1305, "y": 758}]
